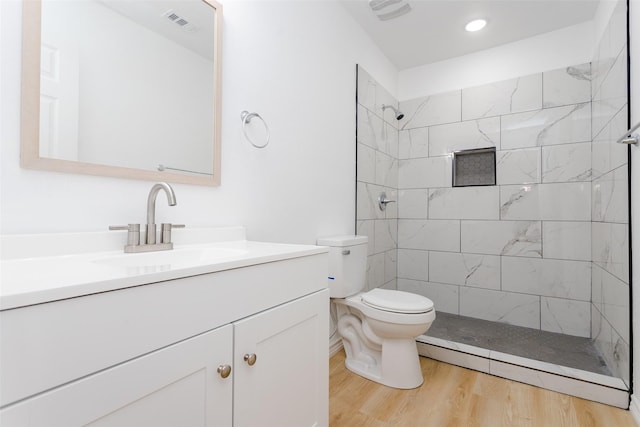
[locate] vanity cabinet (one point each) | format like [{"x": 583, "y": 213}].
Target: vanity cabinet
[{"x": 268, "y": 322}]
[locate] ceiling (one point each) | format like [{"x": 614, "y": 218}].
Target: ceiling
[{"x": 434, "y": 30}]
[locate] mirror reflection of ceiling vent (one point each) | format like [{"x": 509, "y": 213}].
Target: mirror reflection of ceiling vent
[{"x": 179, "y": 20}]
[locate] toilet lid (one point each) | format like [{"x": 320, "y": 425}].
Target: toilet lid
[{"x": 397, "y": 301}]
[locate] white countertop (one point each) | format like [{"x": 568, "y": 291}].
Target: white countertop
[{"x": 67, "y": 270}]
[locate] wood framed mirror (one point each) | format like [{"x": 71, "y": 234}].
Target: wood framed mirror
[{"x": 123, "y": 88}]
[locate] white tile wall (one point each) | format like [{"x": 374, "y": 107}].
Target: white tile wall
[
  {"x": 566, "y": 163},
  {"x": 413, "y": 203},
  {"x": 565, "y": 316},
  {"x": 510, "y": 96},
  {"x": 425, "y": 172},
  {"x": 464, "y": 269},
  {"x": 611, "y": 196},
  {"x": 434, "y": 235},
  {"x": 464, "y": 203},
  {"x": 506, "y": 307},
  {"x": 518, "y": 166},
  {"x": 560, "y": 125},
  {"x": 414, "y": 143},
  {"x": 413, "y": 264},
  {"x": 547, "y": 277},
  {"x": 551, "y": 202},
  {"x": 610, "y": 248},
  {"x": 445, "y": 139},
  {"x": 611, "y": 97},
  {"x": 514, "y": 238},
  {"x": 431, "y": 110},
  {"x": 444, "y": 297},
  {"x": 570, "y": 85},
  {"x": 606, "y": 154},
  {"x": 566, "y": 240}
]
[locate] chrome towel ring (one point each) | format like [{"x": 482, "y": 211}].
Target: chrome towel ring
[{"x": 246, "y": 118}]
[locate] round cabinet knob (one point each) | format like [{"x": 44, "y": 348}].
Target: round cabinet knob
[
  {"x": 250, "y": 359},
  {"x": 224, "y": 370}
]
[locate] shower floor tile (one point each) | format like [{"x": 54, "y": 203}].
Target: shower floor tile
[{"x": 564, "y": 350}]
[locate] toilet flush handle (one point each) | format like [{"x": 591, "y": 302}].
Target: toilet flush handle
[{"x": 346, "y": 251}]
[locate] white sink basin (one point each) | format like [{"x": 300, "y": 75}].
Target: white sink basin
[{"x": 171, "y": 259}]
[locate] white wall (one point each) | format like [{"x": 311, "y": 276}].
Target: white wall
[
  {"x": 634, "y": 46},
  {"x": 281, "y": 59},
  {"x": 557, "y": 49}
]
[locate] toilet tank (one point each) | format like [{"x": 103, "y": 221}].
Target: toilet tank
[{"x": 347, "y": 264}]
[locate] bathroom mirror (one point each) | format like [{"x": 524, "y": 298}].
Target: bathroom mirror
[{"x": 123, "y": 88}]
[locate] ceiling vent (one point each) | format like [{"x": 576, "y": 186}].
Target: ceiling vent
[
  {"x": 389, "y": 9},
  {"x": 179, "y": 20}
]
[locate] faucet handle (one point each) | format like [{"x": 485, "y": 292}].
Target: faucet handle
[
  {"x": 133, "y": 235},
  {"x": 165, "y": 231}
]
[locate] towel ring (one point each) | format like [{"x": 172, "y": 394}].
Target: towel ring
[{"x": 246, "y": 118}]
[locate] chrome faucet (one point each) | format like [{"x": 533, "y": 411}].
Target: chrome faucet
[
  {"x": 151, "y": 208},
  {"x": 133, "y": 237}
]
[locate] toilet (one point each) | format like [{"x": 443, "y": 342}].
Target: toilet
[{"x": 378, "y": 327}]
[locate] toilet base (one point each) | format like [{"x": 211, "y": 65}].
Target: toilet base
[{"x": 399, "y": 365}]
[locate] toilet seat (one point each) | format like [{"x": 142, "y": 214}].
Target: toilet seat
[
  {"x": 397, "y": 301},
  {"x": 386, "y": 315}
]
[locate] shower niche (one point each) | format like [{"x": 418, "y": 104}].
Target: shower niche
[{"x": 474, "y": 167}]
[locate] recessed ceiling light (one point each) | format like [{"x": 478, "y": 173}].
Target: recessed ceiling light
[{"x": 475, "y": 25}]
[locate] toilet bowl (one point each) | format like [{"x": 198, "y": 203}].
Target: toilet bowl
[{"x": 379, "y": 327}]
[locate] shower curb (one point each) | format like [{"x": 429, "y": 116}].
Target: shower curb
[{"x": 574, "y": 382}]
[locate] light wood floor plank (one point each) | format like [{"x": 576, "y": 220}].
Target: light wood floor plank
[{"x": 457, "y": 397}]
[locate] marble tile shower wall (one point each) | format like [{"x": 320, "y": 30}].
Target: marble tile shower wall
[
  {"x": 518, "y": 252},
  {"x": 609, "y": 206},
  {"x": 377, "y": 172}
]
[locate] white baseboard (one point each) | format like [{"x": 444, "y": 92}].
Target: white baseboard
[
  {"x": 335, "y": 347},
  {"x": 634, "y": 408}
]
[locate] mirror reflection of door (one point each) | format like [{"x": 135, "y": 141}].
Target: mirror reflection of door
[{"x": 59, "y": 98}]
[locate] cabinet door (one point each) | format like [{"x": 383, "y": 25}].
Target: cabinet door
[
  {"x": 288, "y": 385},
  {"x": 175, "y": 386}
]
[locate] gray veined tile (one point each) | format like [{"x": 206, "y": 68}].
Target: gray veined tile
[
  {"x": 551, "y": 202},
  {"x": 565, "y": 316},
  {"x": 386, "y": 170},
  {"x": 464, "y": 203},
  {"x": 445, "y": 139},
  {"x": 367, "y": 87},
  {"x": 366, "y": 201},
  {"x": 551, "y": 126},
  {"x": 564, "y": 86},
  {"x": 391, "y": 266},
  {"x": 436, "y": 235},
  {"x": 567, "y": 240},
  {"x": 413, "y": 264},
  {"x": 566, "y": 163},
  {"x": 413, "y": 143},
  {"x": 611, "y": 197},
  {"x": 430, "y": 110},
  {"x": 606, "y": 154},
  {"x": 506, "y": 307},
  {"x": 610, "y": 248},
  {"x": 386, "y": 235},
  {"x": 413, "y": 203},
  {"x": 547, "y": 277},
  {"x": 366, "y": 228},
  {"x": 509, "y": 96},
  {"x": 612, "y": 95},
  {"x": 424, "y": 172},
  {"x": 513, "y": 238},
  {"x": 482, "y": 271},
  {"x": 366, "y": 164},
  {"x": 518, "y": 166},
  {"x": 444, "y": 297}
]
